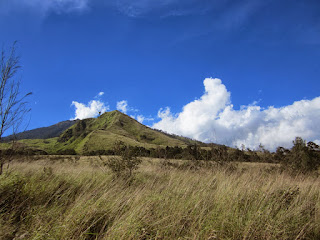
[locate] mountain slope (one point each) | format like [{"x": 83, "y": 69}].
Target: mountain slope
[
  {"x": 102, "y": 133},
  {"x": 96, "y": 134},
  {"x": 43, "y": 133}
]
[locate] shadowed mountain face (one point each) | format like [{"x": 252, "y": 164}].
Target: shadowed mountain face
[
  {"x": 102, "y": 133},
  {"x": 43, "y": 133}
]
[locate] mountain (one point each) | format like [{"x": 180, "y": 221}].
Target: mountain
[
  {"x": 96, "y": 134},
  {"x": 42, "y": 133}
]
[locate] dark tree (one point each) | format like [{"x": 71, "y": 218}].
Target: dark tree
[
  {"x": 303, "y": 158},
  {"x": 13, "y": 105}
]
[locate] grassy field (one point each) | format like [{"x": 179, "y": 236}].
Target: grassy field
[{"x": 70, "y": 198}]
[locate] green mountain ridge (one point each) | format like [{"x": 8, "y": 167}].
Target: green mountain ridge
[{"x": 101, "y": 134}]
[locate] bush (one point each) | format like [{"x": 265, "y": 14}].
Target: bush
[
  {"x": 302, "y": 158},
  {"x": 125, "y": 164}
]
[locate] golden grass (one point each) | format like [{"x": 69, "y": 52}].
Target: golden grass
[{"x": 65, "y": 199}]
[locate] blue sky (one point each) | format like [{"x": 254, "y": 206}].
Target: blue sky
[{"x": 151, "y": 60}]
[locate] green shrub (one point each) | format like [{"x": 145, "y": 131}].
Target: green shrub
[
  {"x": 302, "y": 158},
  {"x": 125, "y": 164}
]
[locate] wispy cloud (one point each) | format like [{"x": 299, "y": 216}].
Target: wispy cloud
[
  {"x": 99, "y": 95},
  {"x": 137, "y": 8},
  {"x": 140, "y": 118},
  {"x": 122, "y": 106},
  {"x": 140, "y": 8},
  {"x": 125, "y": 108},
  {"x": 166, "y": 8},
  {"x": 225, "y": 12},
  {"x": 237, "y": 14},
  {"x": 43, "y": 7},
  {"x": 212, "y": 118}
]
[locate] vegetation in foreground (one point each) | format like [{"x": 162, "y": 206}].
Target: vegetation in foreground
[{"x": 72, "y": 198}]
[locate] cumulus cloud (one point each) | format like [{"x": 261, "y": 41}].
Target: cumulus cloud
[
  {"x": 212, "y": 118},
  {"x": 90, "y": 110}
]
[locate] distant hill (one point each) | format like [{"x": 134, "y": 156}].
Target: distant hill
[
  {"x": 42, "y": 133},
  {"x": 102, "y": 133},
  {"x": 95, "y": 134}
]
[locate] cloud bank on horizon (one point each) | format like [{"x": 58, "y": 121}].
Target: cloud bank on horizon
[{"x": 212, "y": 118}]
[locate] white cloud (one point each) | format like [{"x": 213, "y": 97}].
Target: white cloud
[
  {"x": 100, "y": 94},
  {"x": 92, "y": 109},
  {"x": 122, "y": 106},
  {"x": 140, "y": 118},
  {"x": 212, "y": 118}
]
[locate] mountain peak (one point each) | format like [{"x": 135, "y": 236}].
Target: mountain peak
[
  {"x": 114, "y": 112},
  {"x": 92, "y": 135}
]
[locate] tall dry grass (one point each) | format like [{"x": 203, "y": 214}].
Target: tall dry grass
[{"x": 55, "y": 199}]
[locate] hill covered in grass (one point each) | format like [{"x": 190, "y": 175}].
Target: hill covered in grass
[{"x": 102, "y": 133}]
